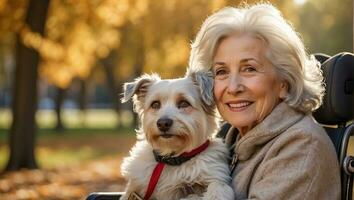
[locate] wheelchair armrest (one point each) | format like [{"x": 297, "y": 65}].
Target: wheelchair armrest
[{"x": 104, "y": 196}]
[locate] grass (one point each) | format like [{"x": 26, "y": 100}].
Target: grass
[
  {"x": 73, "y": 146},
  {"x": 73, "y": 118},
  {"x": 79, "y": 145},
  {"x": 89, "y": 135},
  {"x": 74, "y": 132}
]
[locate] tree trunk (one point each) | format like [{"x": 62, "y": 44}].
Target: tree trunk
[
  {"x": 114, "y": 91},
  {"x": 138, "y": 67},
  {"x": 58, "y": 105},
  {"x": 24, "y": 104},
  {"x": 82, "y": 100}
]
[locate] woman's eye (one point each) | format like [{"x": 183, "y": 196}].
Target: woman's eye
[
  {"x": 155, "y": 105},
  {"x": 248, "y": 68},
  {"x": 183, "y": 104},
  {"x": 220, "y": 72}
]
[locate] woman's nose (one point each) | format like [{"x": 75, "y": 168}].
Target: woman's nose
[{"x": 235, "y": 84}]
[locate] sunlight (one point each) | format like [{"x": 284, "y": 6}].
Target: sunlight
[{"x": 300, "y": 2}]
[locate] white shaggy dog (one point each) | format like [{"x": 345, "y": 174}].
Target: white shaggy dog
[{"x": 176, "y": 149}]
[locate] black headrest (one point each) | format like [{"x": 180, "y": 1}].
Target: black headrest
[
  {"x": 321, "y": 57},
  {"x": 338, "y": 102}
]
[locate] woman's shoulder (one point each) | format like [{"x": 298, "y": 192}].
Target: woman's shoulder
[
  {"x": 307, "y": 127},
  {"x": 308, "y": 132}
]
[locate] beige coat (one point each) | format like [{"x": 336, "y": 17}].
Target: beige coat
[{"x": 287, "y": 156}]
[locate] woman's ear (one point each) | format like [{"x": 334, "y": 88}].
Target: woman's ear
[{"x": 284, "y": 90}]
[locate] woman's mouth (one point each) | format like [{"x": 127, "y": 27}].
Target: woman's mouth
[{"x": 239, "y": 106}]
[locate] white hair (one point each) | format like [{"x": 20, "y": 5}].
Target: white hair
[{"x": 285, "y": 50}]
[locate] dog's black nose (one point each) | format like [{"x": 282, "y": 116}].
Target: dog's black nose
[{"x": 164, "y": 124}]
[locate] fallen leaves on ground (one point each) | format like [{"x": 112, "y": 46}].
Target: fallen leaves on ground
[{"x": 69, "y": 183}]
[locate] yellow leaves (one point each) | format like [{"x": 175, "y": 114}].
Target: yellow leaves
[
  {"x": 176, "y": 51},
  {"x": 2, "y": 5},
  {"x": 152, "y": 60},
  {"x": 12, "y": 15},
  {"x": 138, "y": 10},
  {"x": 169, "y": 5},
  {"x": 217, "y": 4},
  {"x": 41, "y": 184},
  {"x": 109, "y": 39},
  {"x": 125, "y": 71},
  {"x": 168, "y": 28},
  {"x": 73, "y": 58},
  {"x": 47, "y": 48},
  {"x": 151, "y": 34},
  {"x": 113, "y": 12},
  {"x": 79, "y": 33},
  {"x": 51, "y": 50},
  {"x": 80, "y": 50},
  {"x": 56, "y": 73},
  {"x": 31, "y": 39},
  {"x": 173, "y": 55},
  {"x": 53, "y": 54}
]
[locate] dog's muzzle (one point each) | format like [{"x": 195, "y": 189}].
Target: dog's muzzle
[{"x": 164, "y": 124}]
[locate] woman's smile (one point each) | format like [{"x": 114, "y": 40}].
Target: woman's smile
[{"x": 238, "y": 106}]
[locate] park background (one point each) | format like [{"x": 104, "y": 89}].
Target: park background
[{"x": 62, "y": 66}]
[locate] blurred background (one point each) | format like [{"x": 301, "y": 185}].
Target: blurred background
[{"x": 63, "y": 130}]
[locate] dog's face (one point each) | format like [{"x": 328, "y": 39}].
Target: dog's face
[{"x": 177, "y": 115}]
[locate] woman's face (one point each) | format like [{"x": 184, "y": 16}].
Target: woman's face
[{"x": 246, "y": 86}]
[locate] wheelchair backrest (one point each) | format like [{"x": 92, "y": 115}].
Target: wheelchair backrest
[{"x": 336, "y": 112}]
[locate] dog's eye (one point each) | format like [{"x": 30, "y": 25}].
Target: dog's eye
[
  {"x": 183, "y": 104},
  {"x": 155, "y": 105}
]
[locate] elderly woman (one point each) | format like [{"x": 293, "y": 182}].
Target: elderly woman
[{"x": 266, "y": 86}]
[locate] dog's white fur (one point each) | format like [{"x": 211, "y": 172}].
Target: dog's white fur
[{"x": 205, "y": 176}]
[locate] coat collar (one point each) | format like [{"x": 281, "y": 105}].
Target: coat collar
[{"x": 281, "y": 118}]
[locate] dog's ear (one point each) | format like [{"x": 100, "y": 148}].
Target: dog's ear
[
  {"x": 138, "y": 87},
  {"x": 204, "y": 80}
]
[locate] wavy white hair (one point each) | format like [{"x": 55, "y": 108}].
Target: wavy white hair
[{"x": 285, "y": 50}]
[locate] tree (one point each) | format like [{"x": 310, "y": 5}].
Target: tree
[
  {"x": 81, "y": 34},
  {"x": 22, "y": 133}
]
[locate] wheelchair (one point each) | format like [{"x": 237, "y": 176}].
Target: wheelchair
[{"x": 336, "y": 116}]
